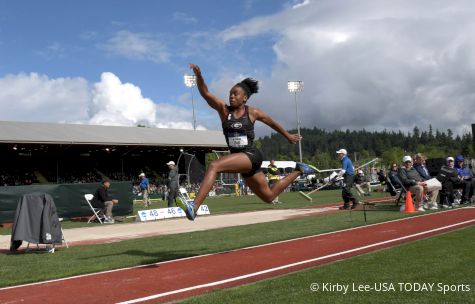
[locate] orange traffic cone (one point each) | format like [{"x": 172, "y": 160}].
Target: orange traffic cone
[{"x": 409, "y": 208}]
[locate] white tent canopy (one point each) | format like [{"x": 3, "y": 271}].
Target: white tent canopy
[{"x": 279, "y": 163}]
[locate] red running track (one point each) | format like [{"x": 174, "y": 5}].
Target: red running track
[{"x": 192, "y": 276}]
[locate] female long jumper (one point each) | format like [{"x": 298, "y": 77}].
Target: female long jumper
[{"x": 237, "y": 120}]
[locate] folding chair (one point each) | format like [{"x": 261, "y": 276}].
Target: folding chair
[
  {"x": 63, "y": 239},
  {"x": 184, "y": 195},
  {"x": 400, "y": 192},
  {"x": 98, "y": 213}
]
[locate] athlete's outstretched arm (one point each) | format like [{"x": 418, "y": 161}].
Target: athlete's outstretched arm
[
  {"x": 212, "y": 100},
  {"x": 260, "y": 115}
]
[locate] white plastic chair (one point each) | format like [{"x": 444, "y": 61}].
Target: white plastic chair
[
  {"x": 184, "y": 195},
  {"x": 98, "y": 212}
]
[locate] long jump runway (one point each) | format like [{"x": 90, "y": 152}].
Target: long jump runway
[{"x": 182, "y": 278}]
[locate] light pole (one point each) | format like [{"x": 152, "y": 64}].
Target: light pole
[
  {"x": 295, "y": 87},
  {"x": 190, "y": 81}
]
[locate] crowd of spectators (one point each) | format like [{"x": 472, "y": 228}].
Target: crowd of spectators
[
  {"x": 79, "y": 176},
  {"x": 17, "y": 177},
  {"x": 453, "y": 185}
]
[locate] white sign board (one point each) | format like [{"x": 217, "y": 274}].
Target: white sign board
[
  {"x": 166, "y": 213},
  {"x": 203, "y": 210}
]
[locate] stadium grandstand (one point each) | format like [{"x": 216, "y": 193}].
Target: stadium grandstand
[
  {"x": 68, "y": 160},
  {"x": 44, "y": 153}
]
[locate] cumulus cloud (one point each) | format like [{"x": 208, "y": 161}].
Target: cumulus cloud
[
  {"x": 122, "y": 104},
  {"x": 137, "y": 46},
  {"x": 34, "y": 97},
  {"x": 370, "y": 64},
  {"x": 117, "y": 103}
]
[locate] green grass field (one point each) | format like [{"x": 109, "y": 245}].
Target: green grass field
[
  {"x": 447, "y": 259},
  {"x": 25, "y": 268},
  {"x": 220, "y": 205}
]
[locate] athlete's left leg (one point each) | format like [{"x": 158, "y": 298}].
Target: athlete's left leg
[{"x": 258, "y": 184}]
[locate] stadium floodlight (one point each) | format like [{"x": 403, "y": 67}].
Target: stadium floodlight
[
  {"x": 190, "y": 81},
  {"x": 296, "y": 86}
]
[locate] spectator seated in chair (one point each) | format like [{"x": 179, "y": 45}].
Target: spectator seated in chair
[
  {"x": 103, "y": 200},
  {"x": 416, "y": 184},
  {"x": 360, "y": 182},
  {"x": 381, "y": 177},
  {"x": 448, "y": 176},
  {"x": 420, "y": 166},
  {"x": 393, "y": 176},
  {"x": 467, "y": 178},
  {"x": 394, "y": 184}
]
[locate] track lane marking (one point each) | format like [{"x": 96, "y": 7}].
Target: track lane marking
[
  {"x": 228, "y": 251},
  {"x": 254, "y": 274}
]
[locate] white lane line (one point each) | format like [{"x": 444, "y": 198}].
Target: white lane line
[
  {"x": 222, "y": 252},
  {"x": 233, "y": 279}
]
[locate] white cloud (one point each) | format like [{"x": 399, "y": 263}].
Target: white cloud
[
  {"x": 370, "y": 64},
  {"x": 34, "y": 97},
  {"x": 300, "y": 4},
  {"x": 117, "y": 103},
  {"x": 122, "y": 104},
  {"x": 52, "y": 51},
  {"x": 184, "y": 18},
  {"x": 137, "y": 46}
]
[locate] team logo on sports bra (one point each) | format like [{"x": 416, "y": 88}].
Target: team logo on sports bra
[{"x": 237, "y": 125}]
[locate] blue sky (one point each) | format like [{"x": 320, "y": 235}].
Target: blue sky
[
  {"x": 372, "y": 64},
  {"x": 61, "y": 39}
]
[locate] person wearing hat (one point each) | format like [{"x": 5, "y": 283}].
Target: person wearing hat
[
  {"x": 412, "y": 181},
  {"x": 466, "y": 176},
  {"x": 145, "y": 189},
  {"x": 415, "y": 183},
  {"x": 448, "y": 176},
  {"x": 103, "y": 200},
  {"x": 360, "y": 182},
  {"x": 348, "y": 173},
  {"x": 172, "y": 183}
]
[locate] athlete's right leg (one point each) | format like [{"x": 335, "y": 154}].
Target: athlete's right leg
[
  {"x": 233, "y": 163},
  {"x": 260, "y": 187}
]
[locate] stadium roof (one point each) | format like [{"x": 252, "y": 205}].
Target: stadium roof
[{"x": 55, "y": 133}]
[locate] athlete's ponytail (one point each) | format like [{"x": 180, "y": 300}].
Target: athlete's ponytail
[{"x": 250, "y": 86}]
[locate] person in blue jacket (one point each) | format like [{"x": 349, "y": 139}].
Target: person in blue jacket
[
  {"x": 466, "y": 175},
  {"x": 348, "y": 173}
]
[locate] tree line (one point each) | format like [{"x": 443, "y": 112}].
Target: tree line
[{"x": 319, "y": 145}]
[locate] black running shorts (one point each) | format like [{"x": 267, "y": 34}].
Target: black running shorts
[{"x": 255, "y": 157}]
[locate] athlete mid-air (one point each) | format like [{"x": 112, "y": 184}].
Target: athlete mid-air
[{"x": 237, "y": 120}]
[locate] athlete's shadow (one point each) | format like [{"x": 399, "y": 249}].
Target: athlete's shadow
[{"x": 153, "y": 255}]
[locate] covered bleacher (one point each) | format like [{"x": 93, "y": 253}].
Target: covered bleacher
[{"x": 36, "y": 155}]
